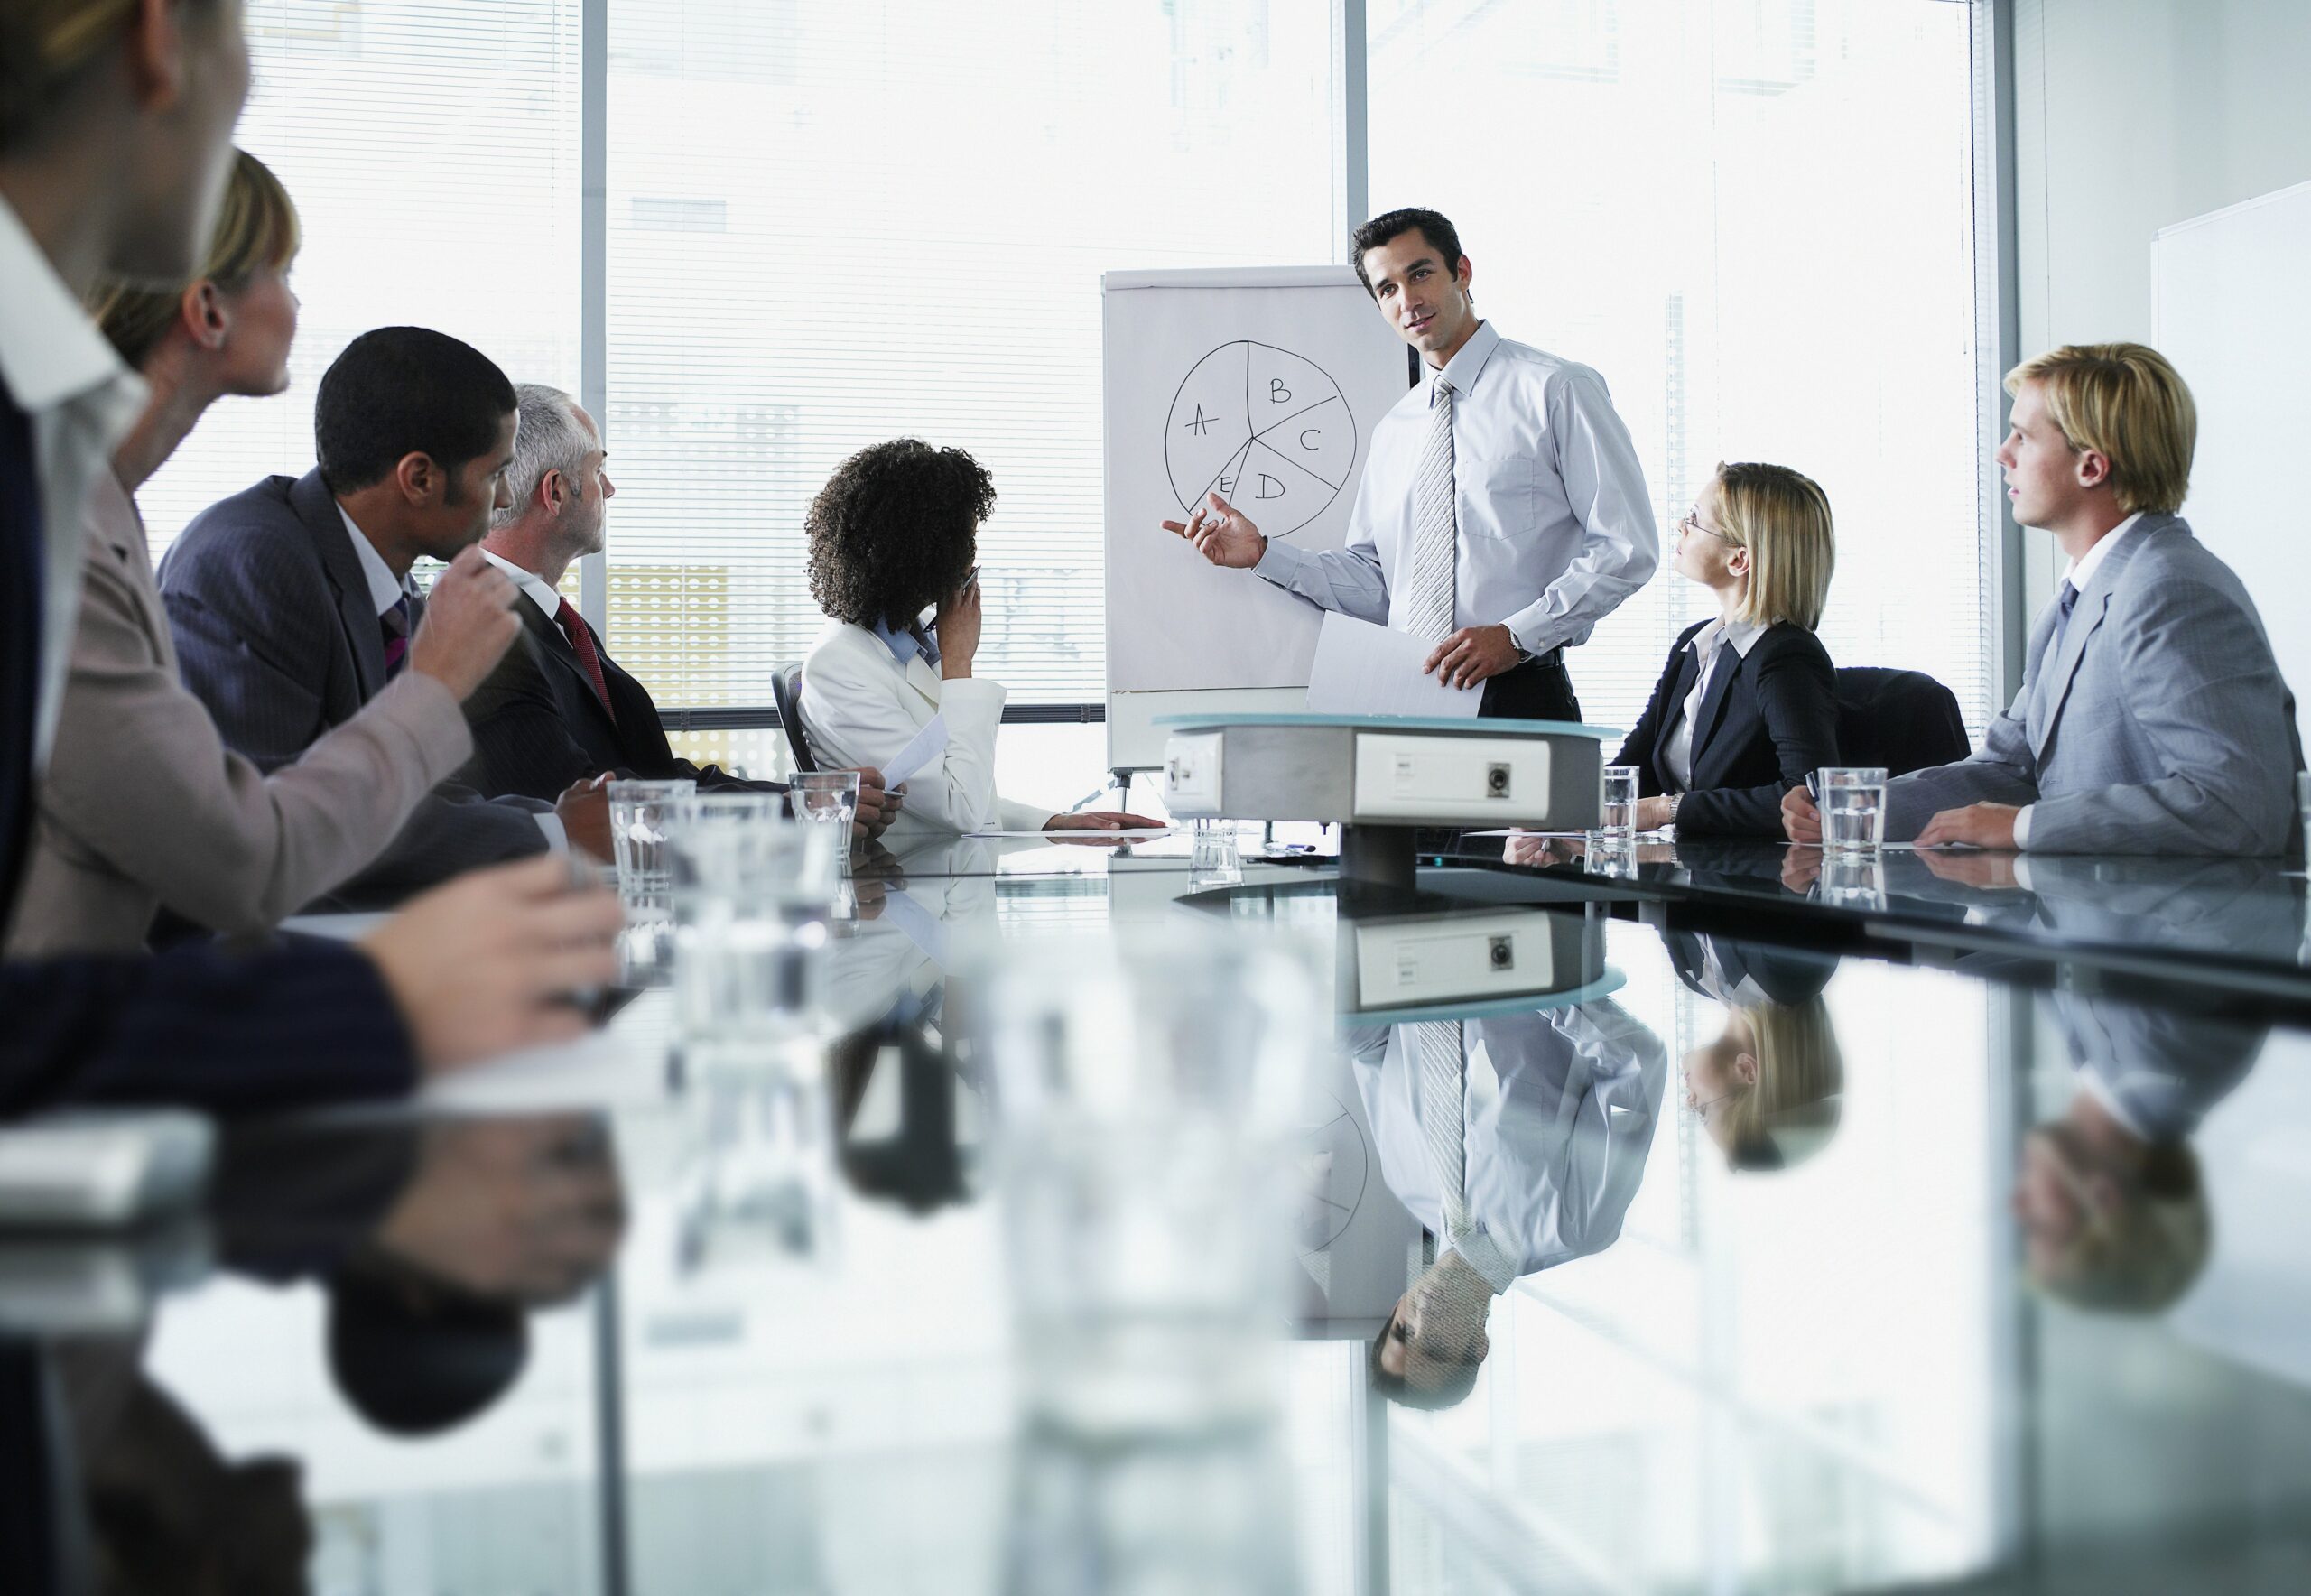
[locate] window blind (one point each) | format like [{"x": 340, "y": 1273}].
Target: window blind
[
  {"x": 1755, "y": 218},
  {"x": 431, "y": 149},
  {"x": 833, "y": 224}
]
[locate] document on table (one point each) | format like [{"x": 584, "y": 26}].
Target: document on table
[
  {"x": 1361, "y": 669},
  {"x": 1129, "y": 834},
  {"x": 928, "y": 745}
]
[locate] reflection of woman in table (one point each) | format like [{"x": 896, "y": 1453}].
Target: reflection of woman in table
[{"x": 1769, "y": 1088}]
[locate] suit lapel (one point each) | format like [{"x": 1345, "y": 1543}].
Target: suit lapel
[
  {"x": 923, "y": 676},
  {"x": 2086, "y": 618},
  {"x": 316, "y": 506},
  {"x": 557, "y": 647},
  {"x": 1713, "y": 702}
]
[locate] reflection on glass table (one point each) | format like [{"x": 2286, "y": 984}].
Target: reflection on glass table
[{"x": 1994, "y": 1290}]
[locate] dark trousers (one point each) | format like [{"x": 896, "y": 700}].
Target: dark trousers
[{"x": 1538, "y": 690}]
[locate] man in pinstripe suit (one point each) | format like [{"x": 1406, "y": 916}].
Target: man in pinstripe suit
[
  {"x": 2152, "y": 717},
  {"x": 291, "y": 604}
]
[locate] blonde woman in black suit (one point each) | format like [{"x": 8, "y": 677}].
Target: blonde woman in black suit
[{"x": 1747, "y": 704}]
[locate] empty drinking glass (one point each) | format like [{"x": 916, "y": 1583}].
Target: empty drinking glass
[
  {"x": 638, "y": 814},
  {"x": 1212, "y": 856},
  {"x": 1852, "y": 799},
  {"x": 752, "y": 893},
  {"x": 1617, "y": 817},
  {"x": 829, "y": 797}
]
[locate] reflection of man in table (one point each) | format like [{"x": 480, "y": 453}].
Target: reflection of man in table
[
  {"x": 1517, "y": 1142},
  {"x": 1502, "y": 512},
  {"x": 2113, "y": 1208}
]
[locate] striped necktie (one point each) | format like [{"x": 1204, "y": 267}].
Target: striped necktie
[
  {"x": 1443, "y": 1114},
  {"x": 1430, "y": 606},
  {"x": 394, "y": 624}
]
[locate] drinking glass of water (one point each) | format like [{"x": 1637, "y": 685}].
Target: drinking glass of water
[
  {"x": 829, "y": 798},
  {"x": 752, "y": 893},
  {"x": 1852, "y": 799},
  {"x": 1618, "y": 816},
  {"x": 638, "y": 815}
]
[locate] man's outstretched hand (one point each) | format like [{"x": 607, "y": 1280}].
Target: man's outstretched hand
[{"x": 1221, "y": 533}]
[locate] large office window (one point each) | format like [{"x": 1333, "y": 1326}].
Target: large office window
[
  {"x": 831, "y": 224},
  {"x": 1755, "y": 218},
  {"x": 431, "y": 148}
]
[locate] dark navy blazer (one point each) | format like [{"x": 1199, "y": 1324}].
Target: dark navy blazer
[
  {"x": 1769, "y": 719},
  {"x": 276, "y": 632}
]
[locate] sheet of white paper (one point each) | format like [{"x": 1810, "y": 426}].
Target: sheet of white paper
[
  {"x": 928, "y": 745},
  {"x": 1361, "y": 669},
  {"x": 1129, "y": 834}
]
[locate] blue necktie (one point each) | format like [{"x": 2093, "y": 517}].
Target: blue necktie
[
  {"x": 2066, "y": 602},
  {"x": 394, "y": 624}
]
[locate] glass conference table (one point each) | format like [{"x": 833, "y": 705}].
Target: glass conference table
[
  {"x": 2011, "y": 1296},
  {"x": 2195, "y": 931}
]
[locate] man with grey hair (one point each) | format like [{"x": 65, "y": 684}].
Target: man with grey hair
[{"x": 558, "y": 703}]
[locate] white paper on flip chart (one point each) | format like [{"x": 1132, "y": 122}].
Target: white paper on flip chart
[
  {"x": 1361, "y": 669},
  {"x": 928, "y": 745}
]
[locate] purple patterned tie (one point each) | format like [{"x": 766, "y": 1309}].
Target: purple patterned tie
[{"x": 395, "y": 623}]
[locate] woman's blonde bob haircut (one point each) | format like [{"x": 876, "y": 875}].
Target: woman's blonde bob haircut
[
  {"x": 2128, "y": 405},
  {"x": 1794, "y": 1109},
  {"x": 257, "y": 230},
  {"x": 1783, "y": 518}
]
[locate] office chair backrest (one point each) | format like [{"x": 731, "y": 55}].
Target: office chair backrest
[
  {"x": 1905, "y": 720},
  {"x": 787, "y": 691}
]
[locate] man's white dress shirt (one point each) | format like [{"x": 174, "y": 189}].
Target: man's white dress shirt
[
  {"x": 2082, "y": 571},
  {"x": 82, "y": 402},
  {"x": 534, "y": 587},
  {"x": 1678, "y": 753},
  {"x": 1556, "y": 525},
  {"x": 386, "y": 590},
  {"x": 1558, "y": 1117}
]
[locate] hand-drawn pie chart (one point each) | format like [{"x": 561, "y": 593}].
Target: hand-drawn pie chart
[{"x": 1264, "y": 429}]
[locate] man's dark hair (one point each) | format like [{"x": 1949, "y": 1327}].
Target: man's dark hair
[
  {"x": 1430, "y": 223},
  {"x": 892, "y": 531},
  {"x": 1449, "y": 1393},
  {"x": 399, "y": 391}
]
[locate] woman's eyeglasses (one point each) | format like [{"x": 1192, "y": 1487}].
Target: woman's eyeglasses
[{"x": 1692, "y": 522}]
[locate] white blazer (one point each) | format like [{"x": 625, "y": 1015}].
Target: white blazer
[{"x": 861, "y": 707}]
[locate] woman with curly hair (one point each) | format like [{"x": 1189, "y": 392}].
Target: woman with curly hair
[{"x": 893, "y": 534}]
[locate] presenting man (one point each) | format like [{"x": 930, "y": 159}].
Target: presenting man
[
  {"x": 2152, "y": 717},
  {"x": 1502, "y": 512},
  {"x": 558, "y": 708}
]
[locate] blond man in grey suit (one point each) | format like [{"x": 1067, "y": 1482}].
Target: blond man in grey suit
[
  {"x": 2152, "y": 719},
  {"x": 142, "y": 805}
]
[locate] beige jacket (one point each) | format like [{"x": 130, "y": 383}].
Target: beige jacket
[{"x": 142, "y": 805}]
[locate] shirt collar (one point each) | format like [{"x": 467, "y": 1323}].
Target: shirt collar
[
  {"x": 906, "y": 643},
  {"x": 541, "y": 593},
  {"x": 1742, "y": 635},
  {"x": 1463, "y": 369},
  {"x": 51, "y": 352},
  {"x": 2082, "y": 569},
  {"x": 385, "y": 590}
]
